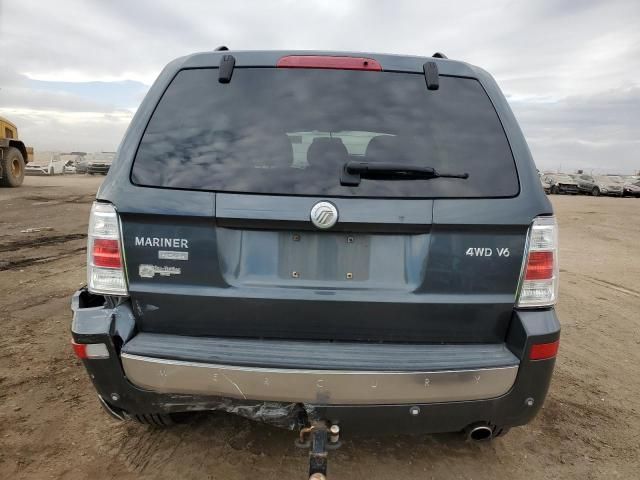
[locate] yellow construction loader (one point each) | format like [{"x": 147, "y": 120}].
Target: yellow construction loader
[{"x": 14, "y": 155}]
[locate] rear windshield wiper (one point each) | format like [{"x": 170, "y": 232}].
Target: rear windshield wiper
[{"x": 354, "y": 172}]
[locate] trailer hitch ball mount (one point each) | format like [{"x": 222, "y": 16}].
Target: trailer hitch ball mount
[{"x": 319, "y": 437}]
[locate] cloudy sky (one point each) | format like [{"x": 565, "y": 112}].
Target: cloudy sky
[{"x": 73, "y": 72}]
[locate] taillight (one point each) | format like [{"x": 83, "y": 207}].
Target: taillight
[
  {"x": 106, "y": 253},
  {"x": 539, "y": 266},
  {"x": 105, "y": 270},
  {"x": 539, "y": 287}
]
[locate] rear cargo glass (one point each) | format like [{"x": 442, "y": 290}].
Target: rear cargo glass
[{"x": 290, "y": 131}]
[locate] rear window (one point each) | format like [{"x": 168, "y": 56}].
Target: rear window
[{"x": 290, "y": 132}]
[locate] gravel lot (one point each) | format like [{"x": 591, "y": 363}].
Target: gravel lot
[{"x": 51, "y": 425}]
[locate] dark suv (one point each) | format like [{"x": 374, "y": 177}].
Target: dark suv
[{"x": 322, "y": 241}]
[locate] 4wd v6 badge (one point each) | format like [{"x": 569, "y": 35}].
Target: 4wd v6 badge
[{"x": 487, "y": 252}]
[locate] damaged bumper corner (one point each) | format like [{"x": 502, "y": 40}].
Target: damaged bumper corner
[{"x": 97, "y": 319}]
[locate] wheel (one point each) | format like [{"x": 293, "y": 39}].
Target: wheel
[
  {"x": 11, "y": 168},
  {"x": 158, "y": 420},
  {"x": 595, "y": 192},
  {"x": 555, "y": 190}
]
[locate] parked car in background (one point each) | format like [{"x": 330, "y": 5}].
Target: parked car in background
[
  {"x": 69, "y": 160},
  {"x": 546, "y": 186},
  {"x": 45, "y": 163},
  {"x": 561, "y": 183},
  {"x": 99, "y": 162},
  {"x": 630, "y": 185},
  {"x": 69, "y": 167},
  {"x": 599, "y": 185},
  {"x": 82, "y": 165}
]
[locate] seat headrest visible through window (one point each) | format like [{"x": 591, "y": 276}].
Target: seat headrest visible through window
[
  {"x": 386, "y": 148},
  {"x": 279, "y": 151},
  {"x": 324, "y": 152},
  {"x": 268, "y": 149}
]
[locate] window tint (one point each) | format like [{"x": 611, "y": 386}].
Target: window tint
[{"x": 290, "y": 131}]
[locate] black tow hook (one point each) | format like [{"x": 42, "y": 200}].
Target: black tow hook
[{"x": 319, "y": 438}]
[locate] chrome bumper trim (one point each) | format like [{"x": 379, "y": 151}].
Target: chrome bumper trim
[{"x": 322, "y": 387}]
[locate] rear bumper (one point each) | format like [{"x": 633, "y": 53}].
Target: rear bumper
[
  {"x": 327, "y": 387},
  {"x": 612, "y": 193},
  {"x": 564, "y": 188},
  {"x": 449, "y": 399},
  {"x": 98, "y": 168}
]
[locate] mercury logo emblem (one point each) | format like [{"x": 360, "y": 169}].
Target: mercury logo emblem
[{"x": 324, "y": 215}]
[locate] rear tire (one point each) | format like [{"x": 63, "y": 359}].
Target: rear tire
[
  {"x": 12, "y": 167},
  {"x": 156, "y": 420},
  {"x": 595, "y": 192}
]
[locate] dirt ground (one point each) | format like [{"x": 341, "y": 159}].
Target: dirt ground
[{"x": 51, "y": 425}]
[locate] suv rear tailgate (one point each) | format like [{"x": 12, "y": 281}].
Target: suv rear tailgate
[
  {"x": 432, "y": 260},
  {"x": 238, "y": 276}
]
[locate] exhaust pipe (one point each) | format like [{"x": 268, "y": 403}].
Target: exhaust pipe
[{"x": 479, "y": 432}]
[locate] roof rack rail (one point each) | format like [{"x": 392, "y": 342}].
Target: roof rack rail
[
  {"x": 227, "y": 63},
  {"x": 439, "y": 55},
  {"x": 431, "y": 75},
  {"x": 221, "y": 48}
]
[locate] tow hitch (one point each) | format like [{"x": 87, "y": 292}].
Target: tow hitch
[{"x": 319, "y": 437}]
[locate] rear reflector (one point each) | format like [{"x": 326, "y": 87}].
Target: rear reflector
[
  {"x": 90, "y": 350},
  {"x": 336, "y": 63},
  {"x": 106, "y": 253},
  {"x": 543, "y": 351}
]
